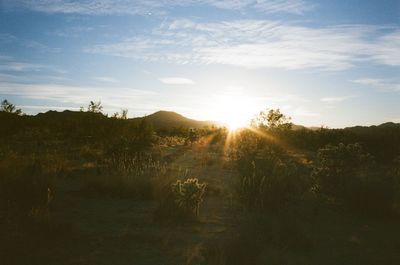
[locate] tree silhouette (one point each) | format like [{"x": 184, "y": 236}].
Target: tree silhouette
[
  {"x": 95, "y": 107},
  {"x": 8, "y": 107},
  {"x": 123, "y": 115},
  {"x": 272, "y": 119}
]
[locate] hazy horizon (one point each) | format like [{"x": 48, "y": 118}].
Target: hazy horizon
[
  {"x": 219, "y": 123},
  {"x": 320, "y": 62}
]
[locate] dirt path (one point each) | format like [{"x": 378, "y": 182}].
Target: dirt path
[
  {"x": 208, "y": 163},
  {"x": 123, "y": 231}
]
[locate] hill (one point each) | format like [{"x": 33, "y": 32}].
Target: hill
[
  {"x": 169, "y": 119},
  {"x": 77, "y": 124}
]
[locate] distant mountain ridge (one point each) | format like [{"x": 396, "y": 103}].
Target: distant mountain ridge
[
  {"x": 165, "y": 120},
  {"x": 158, "y": 120},
  {"x": 168, "y": 119}
]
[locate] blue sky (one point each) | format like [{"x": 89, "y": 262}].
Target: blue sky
[{"x": 332, "y": 63}]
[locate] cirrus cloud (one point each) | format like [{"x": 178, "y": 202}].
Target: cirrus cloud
[
  {"x": 148, "y": 7},
  {"x": 176, "y": 81},
  {"x": 335, "y": 99},
  {"x": 261, "y": 44},
  {"x": 380, "y": 84}
]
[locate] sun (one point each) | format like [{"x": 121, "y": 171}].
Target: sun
[
  {"x": 233, "y": 111},
  {"x": 235, "y": 123}
]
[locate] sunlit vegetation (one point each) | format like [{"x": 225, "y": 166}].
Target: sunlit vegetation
[{"x": 266, "y": 194}]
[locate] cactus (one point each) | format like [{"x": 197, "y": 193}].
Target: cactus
[{"x": 188, "y": 195}]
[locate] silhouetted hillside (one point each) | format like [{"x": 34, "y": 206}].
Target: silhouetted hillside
[
  {"x": 169, "y": 119},
  {"x": 77, "y": 125},
  {"x": 382, "y": 141}
]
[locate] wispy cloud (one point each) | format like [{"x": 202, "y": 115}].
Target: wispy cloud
[
  {"x": 176, "y": 81},
  {"x": 64, "y": 94},
  {"x": 107, "y": 79},
  {"x": 31, "y": 77},
  {"x": 72, "y": 32},
  {"x": 261, "y": 44},
  {"x": 335, "y": 99},
  {"x": 9, "y": 65},
  {"x": 5, "y": 57},
  {"x": 9, "y": 39},
  {"x": 146, "y": 7},
  {"x": 5, "y": 77},
  {"x": 304, "y": 112},
  {"x": 46, "y": 107},
  {"x": 381, "y": 84},
  {"x": 90, "y": 7},
  {"x": 282, "y": 98},
  {"x": 19, "y": 66},
  {"x": 293, "y": 6},
  {"x": 387, "y": 50}
]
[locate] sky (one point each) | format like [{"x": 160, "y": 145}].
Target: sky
[{"x": 329, "y": 63}]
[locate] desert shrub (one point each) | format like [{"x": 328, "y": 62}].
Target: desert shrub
[
  {"x": 275, "y": 188},
  {"x": 127, "y": 176},
  {"x": 126, "y": 168},
  {"x": 337, "y": 166},
  {"x": 182, "y": 201},
  {"x": 89, "y": 153},
  {"x": 269, "y": 178},
  {"x": 216, "y": 136},
  {"x": 394, "y": 172},
  {"x": 208, "y": 159},
  {"x": 258, "y": 239},
  {"x": 130, "y": 146},
  {"x": 188, "y": 195},
  {"x": 349, "y": 176},
  {"x": 193, "y": 136},
  {"x": 27, "y": 183},
  {"x": 132, "y": 165},
  {"x": 168, "y": 141}
]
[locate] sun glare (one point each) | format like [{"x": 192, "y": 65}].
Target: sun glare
[
  {"x": 234, "y": 123},
  {"x": 233, "y": 111}
]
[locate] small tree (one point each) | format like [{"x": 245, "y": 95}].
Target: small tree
[
  {"x": 272, "y": 119},
  {"x": 193, "y": 136},
  {"x": 8, "y": 107},
  {"x": 95, "y": 107},
  {"x": 123, "y": 115}
]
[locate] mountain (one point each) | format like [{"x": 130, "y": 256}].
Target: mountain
[
  {"x": 169, "y": 119},
  {"x": 158, "y": 120}
]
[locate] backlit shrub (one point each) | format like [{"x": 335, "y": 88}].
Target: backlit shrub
[{"x": 188, "y": 195}]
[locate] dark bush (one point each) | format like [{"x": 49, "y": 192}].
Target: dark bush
[
  {"x": 269, "y": 178},
  {"x": 348, "y": 176},
  {"x": 26, "y": 183}
]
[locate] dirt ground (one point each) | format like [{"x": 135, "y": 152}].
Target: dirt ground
[
  {"x": 109, "y": 230},
  {"x": 118, "y": 231}
]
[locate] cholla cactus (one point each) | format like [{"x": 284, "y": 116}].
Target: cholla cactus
[{"x": 188, "y": 195}]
